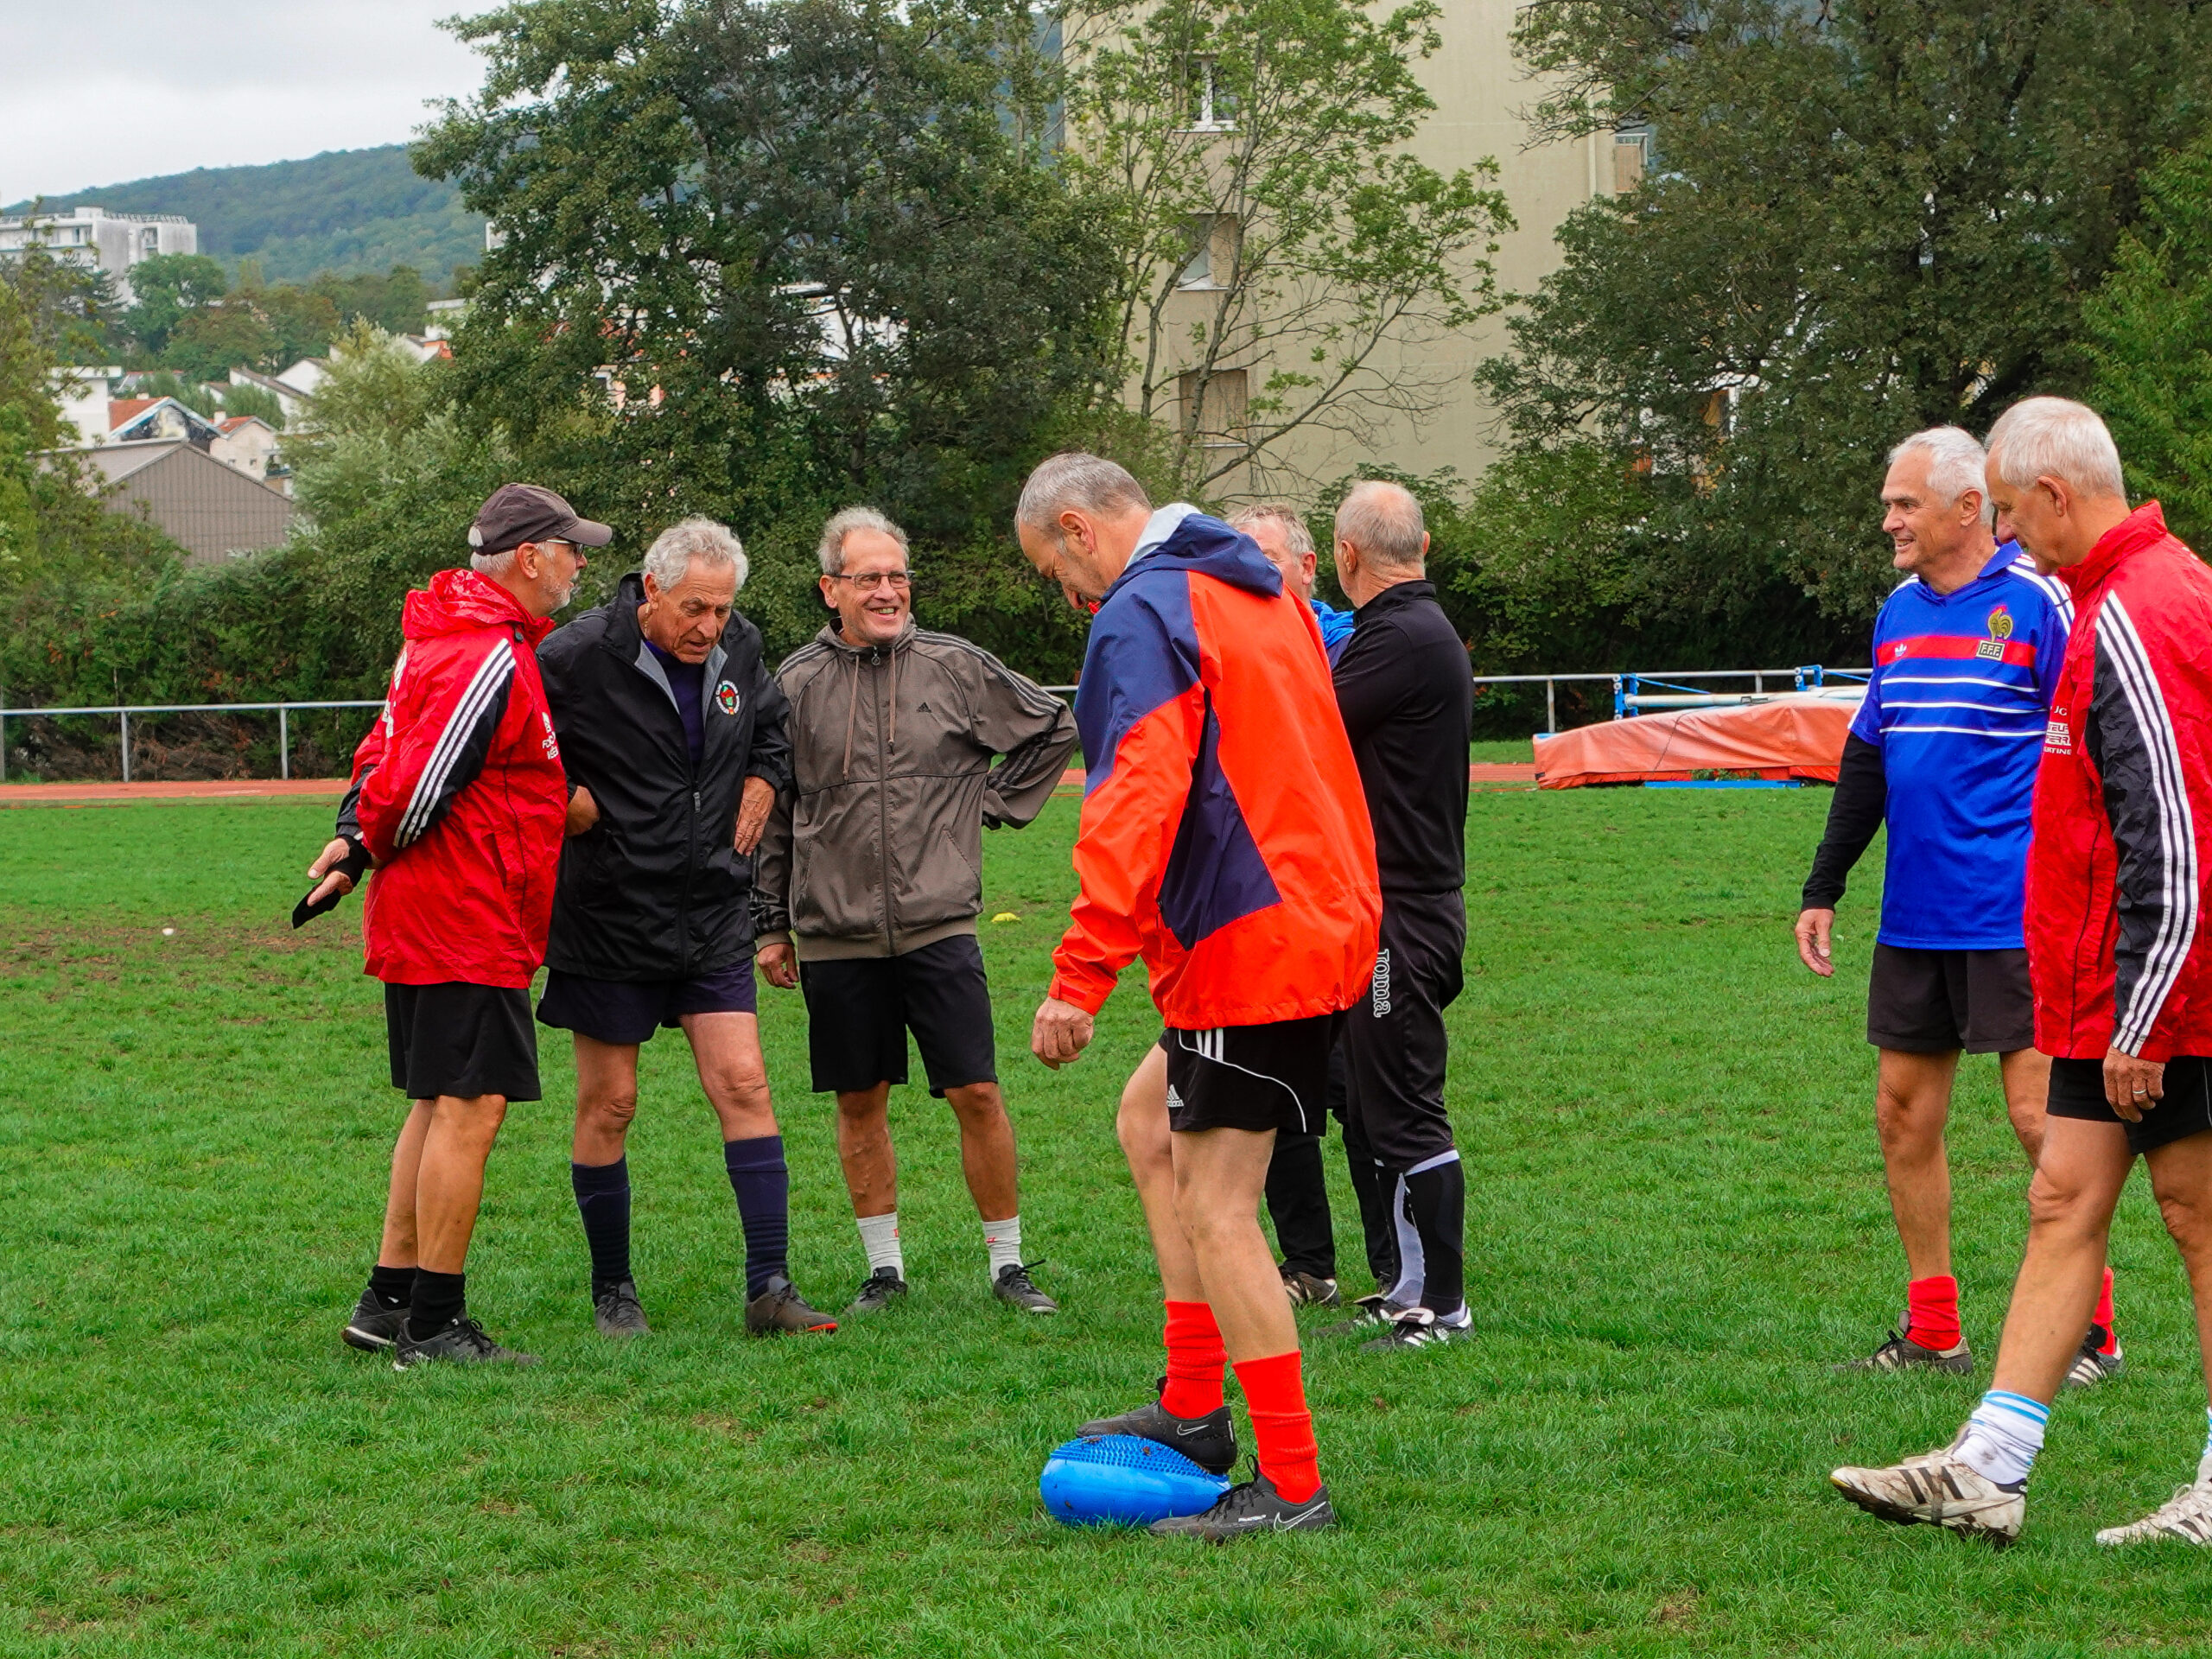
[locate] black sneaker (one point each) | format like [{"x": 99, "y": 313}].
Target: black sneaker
[
  {"x": 878, "y": 1291},
  {"x": 461, "y": 1343},
  {"x": 1370, "y": 1314},
  {"x": 1310, "y": 1290},
  {"x": 2092, "y": 1366},
  {"x": 372, "y": 1327},
  {"x": 616, "y": 1311},
  {"x": 1013, "y": 1286},
  {"x": 780, "y": 1308},
  {"x": 1901, "y": 1353},
  {"x": 1208, "y": 1441},
  {"x": 1253, "y": 1507},
  {"x": 1417, "y": 1327}
]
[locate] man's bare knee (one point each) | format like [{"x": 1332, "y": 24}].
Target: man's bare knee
[
  {"x": 2058, "y": 1204},
  {"x": 977, "y": 1105}
]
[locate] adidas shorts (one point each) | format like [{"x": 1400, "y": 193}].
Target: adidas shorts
[{"x": 1255, "y": 1077}]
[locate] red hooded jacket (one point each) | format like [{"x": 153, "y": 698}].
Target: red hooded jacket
[
  {"x": 2123, "y": 807},
  {"x": 459, "y": 794}
]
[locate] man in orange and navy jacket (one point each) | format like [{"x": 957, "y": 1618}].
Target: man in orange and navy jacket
[{"x": 1224, "y": 839}]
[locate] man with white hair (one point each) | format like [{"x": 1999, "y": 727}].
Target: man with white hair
[
  {"x": 1407, "y": 699},
  {"x": 1945, "y": 749},
  {"x": 457, "y": 801},
  {"x": 906, "y": 744},
  {"x": 673, "y": 735},
  {"x": 2120, "y": 962}
]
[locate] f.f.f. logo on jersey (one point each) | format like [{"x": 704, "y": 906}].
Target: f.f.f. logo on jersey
[{"x": 2000, "y": 630}]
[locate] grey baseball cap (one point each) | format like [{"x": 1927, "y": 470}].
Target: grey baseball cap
[{"x": 514, "y": 514}]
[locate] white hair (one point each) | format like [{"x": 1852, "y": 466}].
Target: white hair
[
  {"x": 2055, "y": 437},
  {"x": 1955, "y": 464},
  {"x": 832, "y": 549},
  {"x": 1085, "y": 482},
  {"x": 492, "y": 564},
  {"x": 702, "y": 541},
  {"x": 1383, "y": 521},
  {"x": 1295, "y": 535}
]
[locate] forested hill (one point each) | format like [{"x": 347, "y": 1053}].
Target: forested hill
[{"x": 355, "y": 212}]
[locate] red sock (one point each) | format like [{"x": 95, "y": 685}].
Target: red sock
[
  {"x": 1932, "y": 1311},
  {"x": 1195, "y": 1358},
  {"x": 1274, "y": 1393},
  {"x": 2103, "y": 1317}
]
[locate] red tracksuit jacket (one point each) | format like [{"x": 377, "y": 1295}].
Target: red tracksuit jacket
[
  {"x": 2123, "y": 807},
  {"x": 459, "y": 794},
  {"x": 1225, "y": 835}
]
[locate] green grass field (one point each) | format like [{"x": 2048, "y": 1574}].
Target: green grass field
[{"x": 1677, "y": 1222}]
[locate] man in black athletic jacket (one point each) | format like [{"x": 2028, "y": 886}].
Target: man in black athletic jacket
[
  {"x": 1408, "y": 704},
  {"x": 672, "y": 732}
]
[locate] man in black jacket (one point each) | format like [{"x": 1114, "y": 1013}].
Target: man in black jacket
[
  {"x": 1407, "y": 699},
  {"x": 672, "y": 731}
]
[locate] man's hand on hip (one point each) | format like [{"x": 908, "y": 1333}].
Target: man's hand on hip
[
  {"x": 327, "y": 878},
  {"x": 583, "y": 811},
  {"x": 2132, "y": 1086},
  {"x": 753, "y": 814},
  {"x": 777, "y": 965},
  {"x": 1061, "y": 1033},
  {"x": 1815, "y": 928}
]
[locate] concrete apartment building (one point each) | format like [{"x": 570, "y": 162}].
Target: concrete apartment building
[
  {"x": 1480, "y": 90},
  {"x": 95, "y": 238}
]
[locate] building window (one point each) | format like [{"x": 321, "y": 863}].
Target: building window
[
  {"x": 150, "y": 239},
  {"x": 1210, "y": 105},
  {"x": 1213, "y": 244},
  {"x": 1219, "y": 411},
  {"x": 1631, "y": 158}
]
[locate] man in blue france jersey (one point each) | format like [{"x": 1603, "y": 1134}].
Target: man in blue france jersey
[{"x": 1945, "y": 749}]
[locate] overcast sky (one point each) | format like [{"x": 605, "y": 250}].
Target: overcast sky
[{"x": 99, "y": 91}]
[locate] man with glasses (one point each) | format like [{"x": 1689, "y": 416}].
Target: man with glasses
[{"x": 869, "y": 880}]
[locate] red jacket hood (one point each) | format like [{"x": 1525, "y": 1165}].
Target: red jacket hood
[
  {"x": 2145, "y": 527},
  {"x": 457, "y": 601}
]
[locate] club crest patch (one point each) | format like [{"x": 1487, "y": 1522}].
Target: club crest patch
[
  {"x": 726, "y": 698},
  {"x": 2000, "y": 630}
]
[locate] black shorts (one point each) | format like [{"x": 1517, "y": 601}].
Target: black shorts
[
  {"x": 1257, "y": 1077},
  {"x": 460, "y": 1039},
  {"x": 1939, "y": 1002},
  {"x": 859, "y": 1010},
  {"x": 2184, "y": 1106},
  {"x": 619, "y": 1011}
]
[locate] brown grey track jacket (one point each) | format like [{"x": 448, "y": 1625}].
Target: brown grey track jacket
[{"x": 877, "y": 849}]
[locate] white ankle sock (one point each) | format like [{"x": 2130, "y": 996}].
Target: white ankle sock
[
  {"x": 879, "y": 1238},
  {"x": 2004, "y": 1435},
  {"x": 1003, "y": 1240}
]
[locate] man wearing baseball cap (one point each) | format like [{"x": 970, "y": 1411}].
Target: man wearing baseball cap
[{"x": 458, "y": 802}]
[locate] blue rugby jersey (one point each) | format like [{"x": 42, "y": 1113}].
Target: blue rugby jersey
[{"x": 1958, "y": 703}]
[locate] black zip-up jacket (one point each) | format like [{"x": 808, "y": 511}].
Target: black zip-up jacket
[
  {"x": 656, "y": 889},
  {"x": 1407, "y": 697}
]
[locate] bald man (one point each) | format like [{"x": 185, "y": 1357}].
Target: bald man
[{"x": 1408, "y": 700}]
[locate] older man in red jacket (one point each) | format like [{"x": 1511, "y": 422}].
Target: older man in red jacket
[
  {"x": 1224, "y": 839},
  {"x": 2118, "y": 953},
  {"x": 459, "y": 802}
]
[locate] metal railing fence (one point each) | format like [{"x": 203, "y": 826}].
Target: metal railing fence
[{"x": 1629, "y": 698}]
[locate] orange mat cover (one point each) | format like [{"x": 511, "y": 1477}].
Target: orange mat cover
[{"x": 1790, "y": 737}]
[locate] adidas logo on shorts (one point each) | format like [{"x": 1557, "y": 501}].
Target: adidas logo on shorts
[{"x": 1174, "y": 1100}]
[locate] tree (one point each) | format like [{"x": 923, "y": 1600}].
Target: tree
[
  {"x": 2149, "y": 342},
  {"x": 761, "y": 258},
  {"x": 1861, "y": 220},
  {"x": 1281, "y": 261},
  {"x": 207, "y": 343},
  {"x": 165, "y": 288}
]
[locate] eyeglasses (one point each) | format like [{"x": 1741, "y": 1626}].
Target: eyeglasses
[{"x": 868, "y": 581}]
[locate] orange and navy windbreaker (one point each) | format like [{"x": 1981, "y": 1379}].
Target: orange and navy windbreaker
[{"x": 1225, "y": 835}]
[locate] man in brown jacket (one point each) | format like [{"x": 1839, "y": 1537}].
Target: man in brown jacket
[{"x": 873, "y": 860}]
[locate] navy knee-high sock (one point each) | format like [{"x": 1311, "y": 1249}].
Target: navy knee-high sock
[
  {"x": 762, "y": 1182},
  {"x": 603, "y": 1200}
]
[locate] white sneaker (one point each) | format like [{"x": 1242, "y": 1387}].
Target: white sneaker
[
  {"x": 2187, "y": 1515},
  {"x": 1937, "y": 1490}
]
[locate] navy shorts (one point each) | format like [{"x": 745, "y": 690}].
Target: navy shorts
[{"x": 627, "y": 1012}]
